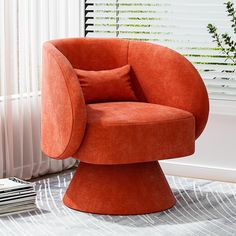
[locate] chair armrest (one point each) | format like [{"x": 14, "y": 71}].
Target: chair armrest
[
  {"x": 63, "y": 118},
  {"x": 163, "y": 76}
]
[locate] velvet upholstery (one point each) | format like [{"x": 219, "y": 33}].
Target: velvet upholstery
[
  {"x": 165, "y": 77},
  {"x": 119, "y": 189},
  {"x": 119, "y": 142},
  {"x": 116, "y": 132},
  {"x": 61, "y": 134},
  {"x": 93, "y": 54},
  {"x": 106, "y": 85}
]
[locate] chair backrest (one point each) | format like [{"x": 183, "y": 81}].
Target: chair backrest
[{"x": 93, "y": 54}]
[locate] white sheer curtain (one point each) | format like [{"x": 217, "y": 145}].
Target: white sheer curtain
[{"x": 24, "y": 25}]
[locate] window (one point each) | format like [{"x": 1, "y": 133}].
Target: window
[{"x": 178, "y": 24}]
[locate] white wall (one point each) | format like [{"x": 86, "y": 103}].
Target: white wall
[{"x": 215, "y": 154}]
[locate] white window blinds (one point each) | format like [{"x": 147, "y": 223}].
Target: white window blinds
[{"x": 178, "y": 24}]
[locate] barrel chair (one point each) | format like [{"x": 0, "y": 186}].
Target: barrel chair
[{"x": 119, "y": 106}]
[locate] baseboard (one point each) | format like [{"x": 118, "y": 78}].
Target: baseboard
[{"x": 199, "y": 171}]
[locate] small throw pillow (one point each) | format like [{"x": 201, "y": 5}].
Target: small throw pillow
[{"x": 106, "y": 85}]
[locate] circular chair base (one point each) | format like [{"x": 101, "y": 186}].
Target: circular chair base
[{"x": 119, "y": 189}]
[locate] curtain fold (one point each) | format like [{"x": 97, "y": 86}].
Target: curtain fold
[{"x": 24, "y": 26}]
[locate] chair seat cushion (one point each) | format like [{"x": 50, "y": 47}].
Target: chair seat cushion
[{"x": 129, "y": 132}]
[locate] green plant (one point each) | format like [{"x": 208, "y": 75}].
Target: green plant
[{"x": 224, "y": 41}]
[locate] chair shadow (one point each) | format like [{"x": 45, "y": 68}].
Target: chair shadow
[{"x": 191, "y": 206}]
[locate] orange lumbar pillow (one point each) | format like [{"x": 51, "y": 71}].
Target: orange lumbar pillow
[{"x": 106, "y": 85}]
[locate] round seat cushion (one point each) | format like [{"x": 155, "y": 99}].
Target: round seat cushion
[{"x": 131, "y": 132}]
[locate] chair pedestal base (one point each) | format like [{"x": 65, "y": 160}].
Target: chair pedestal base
[{"x": 119, "y": 189}]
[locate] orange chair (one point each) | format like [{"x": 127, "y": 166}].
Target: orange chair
[{"x": 118, "y": 142}]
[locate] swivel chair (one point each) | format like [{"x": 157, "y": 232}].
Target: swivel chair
[{"x": 119, "y": 141}]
